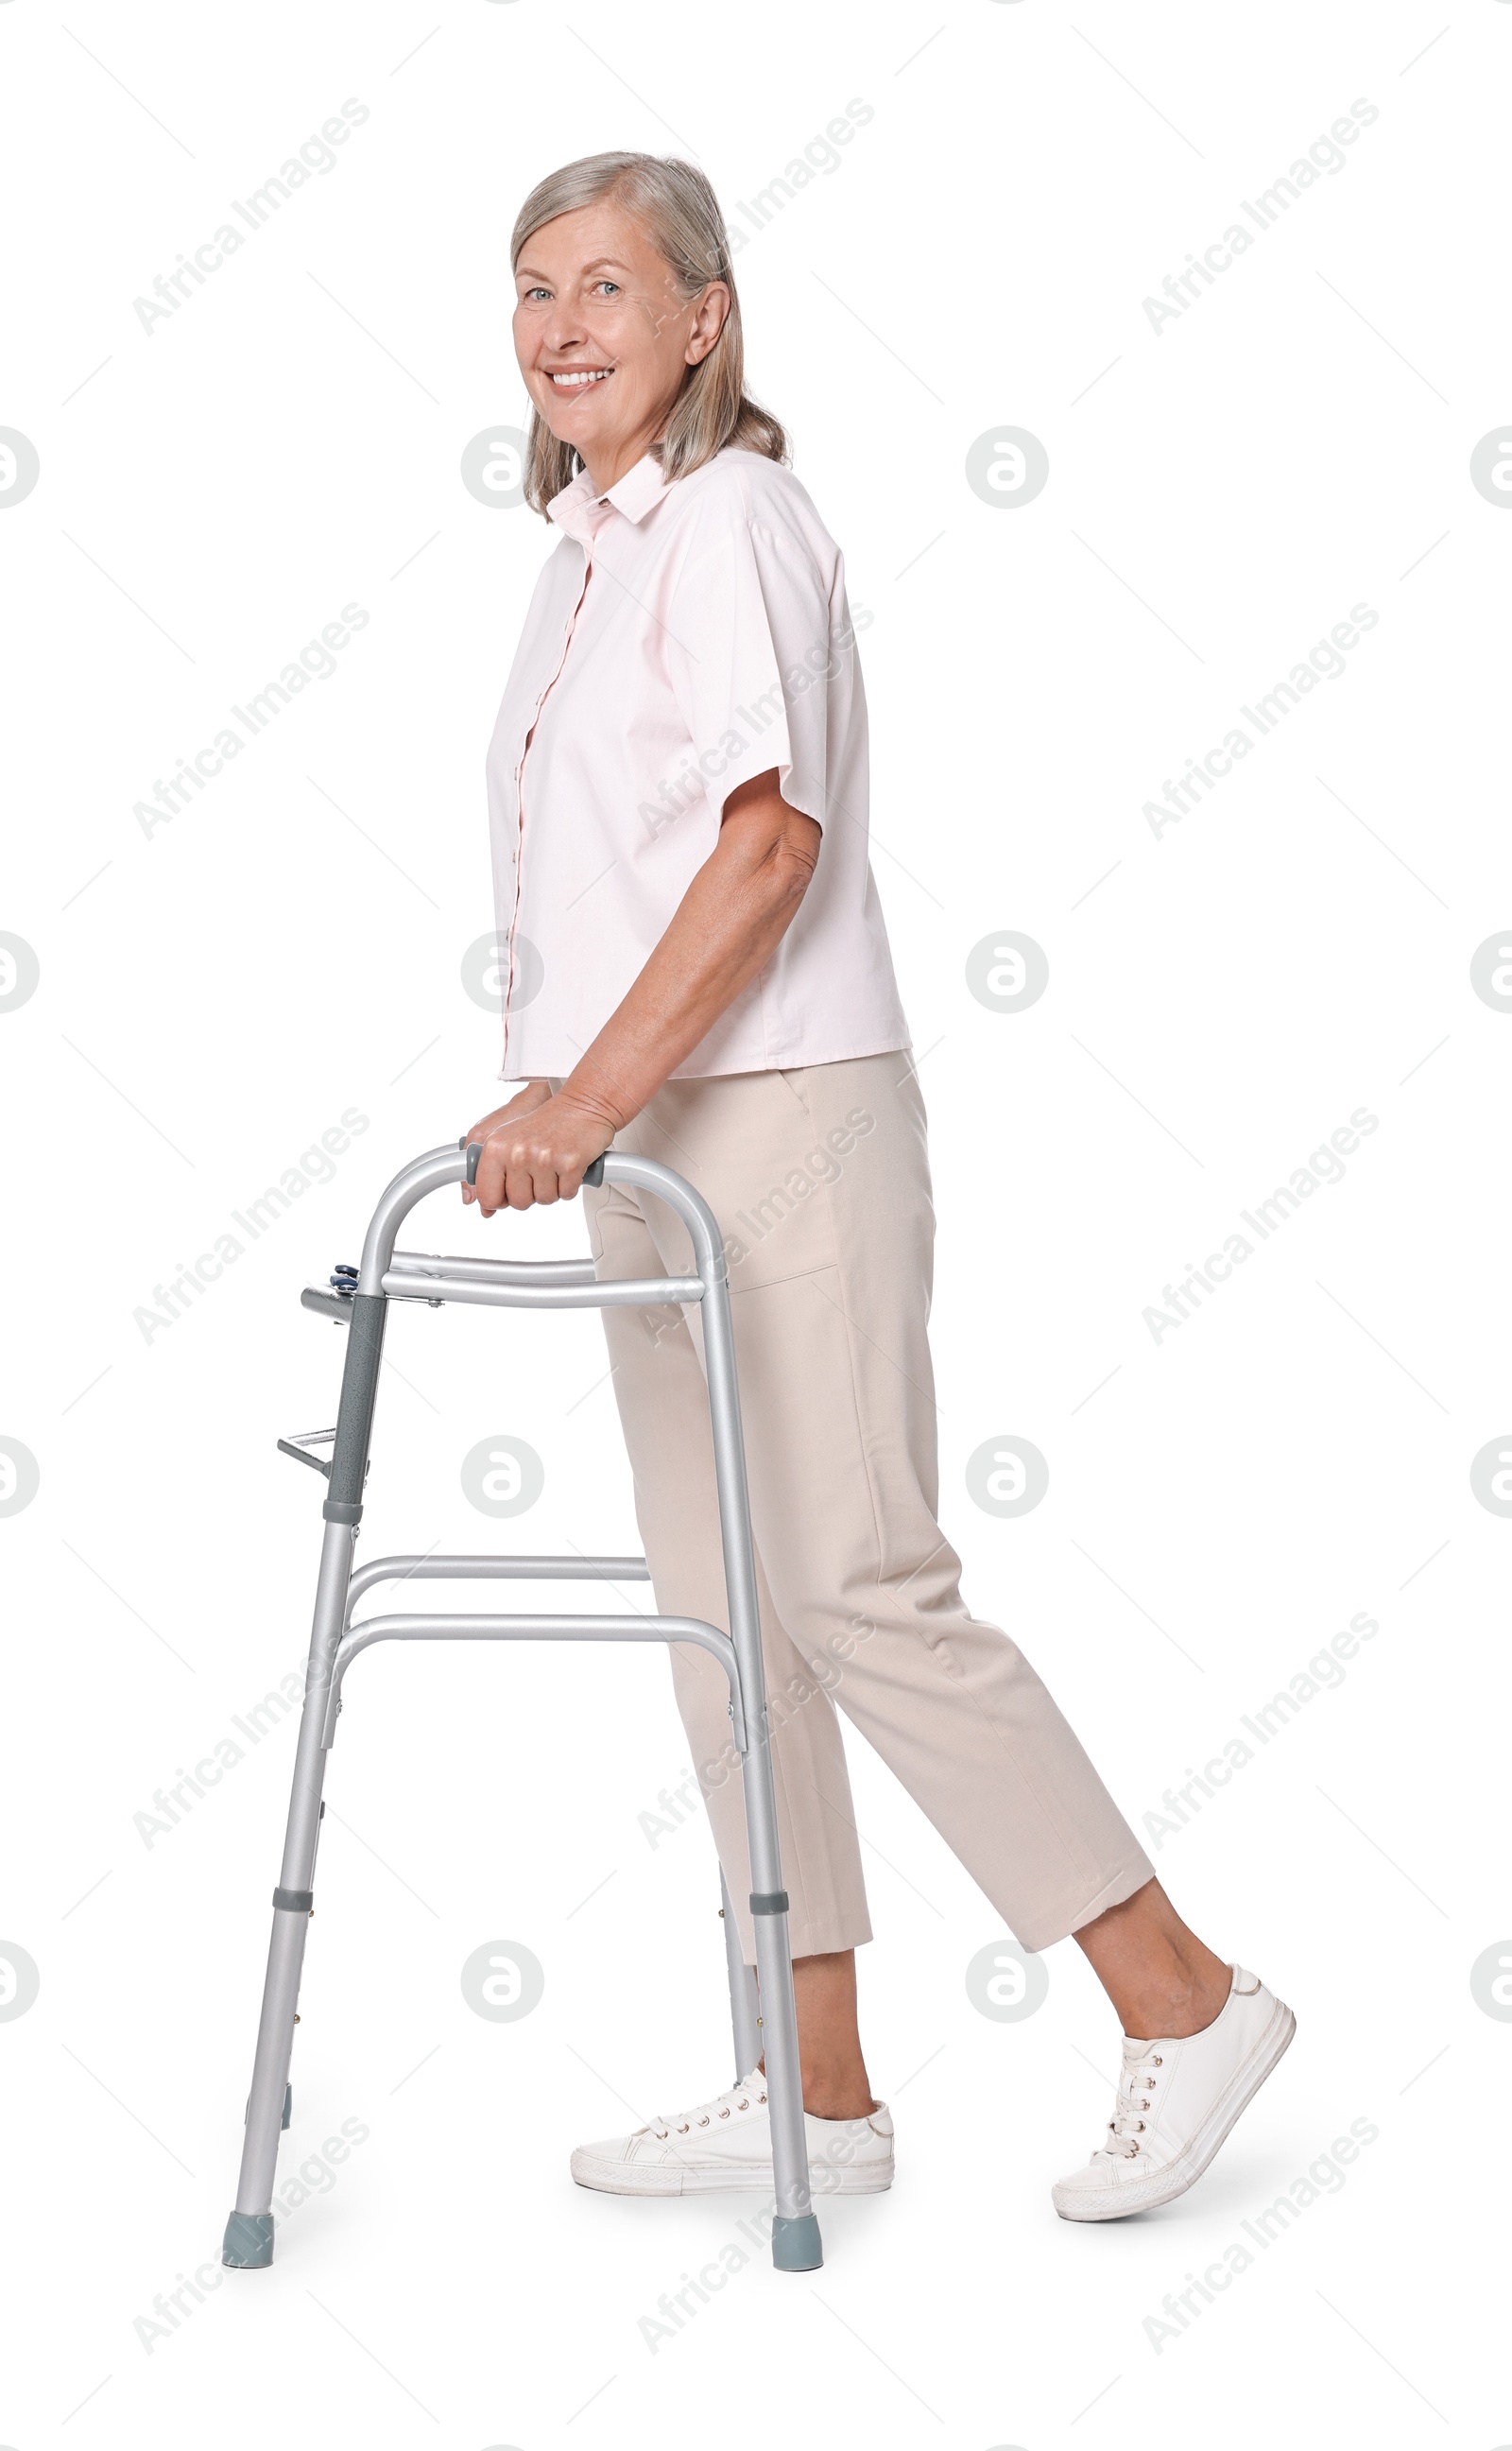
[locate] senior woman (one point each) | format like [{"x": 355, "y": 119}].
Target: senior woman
[{"x": 698, "y": 971}]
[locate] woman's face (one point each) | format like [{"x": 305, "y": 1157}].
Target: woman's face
[{"x": 602, "y": 335}]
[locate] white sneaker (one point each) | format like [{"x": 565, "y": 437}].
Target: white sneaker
[
  {"x": 1175, "y": 2103},
  {"x": 726, "y": 2146}
]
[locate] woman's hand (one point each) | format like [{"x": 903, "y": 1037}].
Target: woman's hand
[
  {"x": 536, "y": 1150},
  {"x": 523, "y": 1103}
]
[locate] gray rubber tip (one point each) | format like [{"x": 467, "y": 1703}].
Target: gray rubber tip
[
  {"x": 248, "y": 2242},
  {"x": 795, "y": 2243}
]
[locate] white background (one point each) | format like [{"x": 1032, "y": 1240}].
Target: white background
[{"x": 214, "y": 996}]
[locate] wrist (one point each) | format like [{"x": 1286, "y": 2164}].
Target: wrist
[{"x": 596, "y": 1101}]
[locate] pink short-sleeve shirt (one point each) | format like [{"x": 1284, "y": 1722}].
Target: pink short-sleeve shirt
[{"x": 682, "y": 638}]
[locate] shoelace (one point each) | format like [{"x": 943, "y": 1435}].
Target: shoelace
[
  {"x": 750, "y": 2095},
  {"x": 1135, "y": 2096}
]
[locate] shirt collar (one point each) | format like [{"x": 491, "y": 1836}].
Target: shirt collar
[{"x": 579, "y": 510}]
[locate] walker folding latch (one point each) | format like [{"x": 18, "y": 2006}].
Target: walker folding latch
[{"x": 334, "y": 1299}]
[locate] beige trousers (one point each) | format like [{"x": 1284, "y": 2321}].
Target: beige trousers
[{"x": 820, "y": 1180}]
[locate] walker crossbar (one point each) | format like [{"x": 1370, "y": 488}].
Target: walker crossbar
[
  {"x": 762, "y": 2005},
  {"x": 527, "y": 1629},
  {"x": 502, "y": 1273},
  {"x": 528, "y": 1570},
  {"x": 639, "y": 1293}
]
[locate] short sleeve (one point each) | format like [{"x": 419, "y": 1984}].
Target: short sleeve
[{"x": 751, "y": 661}]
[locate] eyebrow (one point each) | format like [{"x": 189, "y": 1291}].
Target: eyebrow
[{"x": 603, "y": 262}]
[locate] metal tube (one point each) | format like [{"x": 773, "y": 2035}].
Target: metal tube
[
  {"x": 535, "y": 1629},
  {"x": 441, "y": 1166},
  {"x": 270, "y": 2069},
  {"x": 640, "y": 1293},
  {"x": 795, "y": 2241},
  {"x": 427, "y": 1173},
  {"x": 516, "y": 1272},
  {"x": 554, "y": 1569},
  {"x": 774, "y": 1971},
  {"x": 744, "y": 2006}
]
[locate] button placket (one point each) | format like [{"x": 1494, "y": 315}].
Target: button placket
[{"x": 568, "y": 636}]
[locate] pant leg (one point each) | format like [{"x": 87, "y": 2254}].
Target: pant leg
[
  {"x": 820, "y": 1180},
  {"x": 664, "y": 1409}
]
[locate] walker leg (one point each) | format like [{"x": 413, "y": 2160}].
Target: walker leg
[
  {"x": 795, "y": 2231},
  {"x": 249, "y": 2232},
  {"x": 744, "y": 2007}
]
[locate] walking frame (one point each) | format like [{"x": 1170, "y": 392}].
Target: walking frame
[{"x": 762, "y": 2005}]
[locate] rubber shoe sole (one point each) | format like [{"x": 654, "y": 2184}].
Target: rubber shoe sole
[{"x": 625, "y": 2179}]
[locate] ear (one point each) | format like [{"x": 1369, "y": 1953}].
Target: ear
[{"x": 710, "y": 313}]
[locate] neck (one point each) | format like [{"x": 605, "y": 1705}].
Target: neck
[{"x": 608, "y": 462}]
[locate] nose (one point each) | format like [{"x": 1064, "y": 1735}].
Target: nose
[{"x": 563, "y": 329}]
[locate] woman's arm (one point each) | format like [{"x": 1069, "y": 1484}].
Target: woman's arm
[{"x": 727, "y": 927}]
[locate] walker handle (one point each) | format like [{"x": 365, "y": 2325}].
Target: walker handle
[{"x": 594, "y": 1174}]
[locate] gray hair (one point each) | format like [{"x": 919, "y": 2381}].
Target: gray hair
[{"x": 680, "y": 212}]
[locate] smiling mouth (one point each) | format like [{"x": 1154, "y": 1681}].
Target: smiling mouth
[{"x": 576, "y": 379}]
